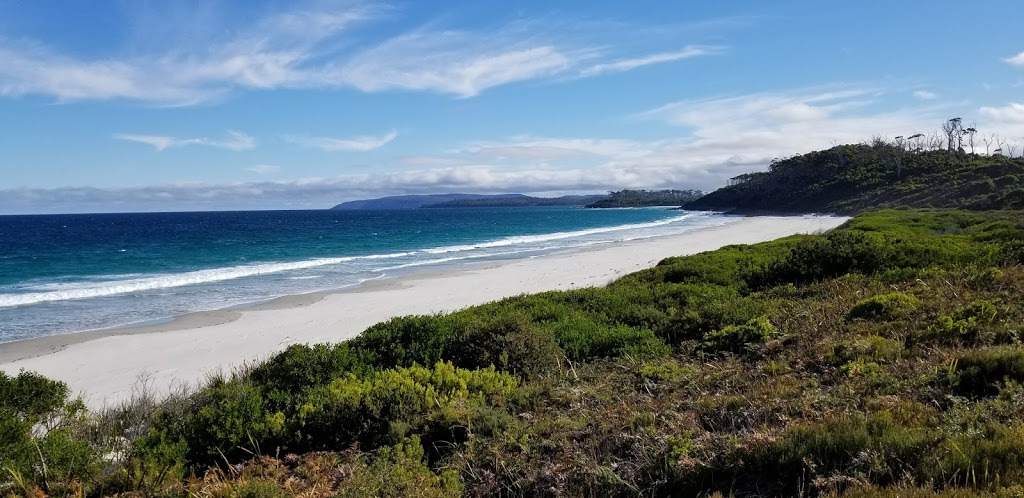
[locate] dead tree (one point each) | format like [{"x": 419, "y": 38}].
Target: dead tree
[{"x": 989, "y": 140}]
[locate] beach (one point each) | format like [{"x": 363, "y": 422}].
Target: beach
[{"x": 107, "y": 366}]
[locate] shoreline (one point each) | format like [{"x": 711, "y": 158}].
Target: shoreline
[
  {"x": 26, "y": 349},
  {"x": 105, "y": 366}
]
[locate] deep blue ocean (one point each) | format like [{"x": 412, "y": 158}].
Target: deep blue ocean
[{"x": 68, "y": 273}]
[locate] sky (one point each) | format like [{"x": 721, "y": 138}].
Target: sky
[{"x": 138, "y": 105}]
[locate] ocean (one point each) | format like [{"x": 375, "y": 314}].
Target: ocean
[{"x": 68, "y": 273}]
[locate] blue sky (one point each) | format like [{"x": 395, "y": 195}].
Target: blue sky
[{"x": 150, "y": 105}]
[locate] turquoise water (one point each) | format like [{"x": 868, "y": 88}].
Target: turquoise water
[{"x": 68, "y": 273}]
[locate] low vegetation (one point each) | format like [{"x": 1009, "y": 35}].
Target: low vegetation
[{"x": 881, "y": 359}]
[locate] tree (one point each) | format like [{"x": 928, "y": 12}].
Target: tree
[
  {"x": 917, "y": 140},
  {"x": 954, "y": 136},
  {"x": 897, "y": 157},
  {"x": 989, "y": 140},
  {"x": 971, "y": 132}
]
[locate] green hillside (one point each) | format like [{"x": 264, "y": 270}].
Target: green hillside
[
  {"x": 881, "y": 359},
  {"x": 853, "y": 178},
  {"x": 646, "y": 198}
]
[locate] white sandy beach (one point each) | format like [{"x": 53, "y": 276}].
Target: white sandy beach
[{"x": 105, "y": 366}]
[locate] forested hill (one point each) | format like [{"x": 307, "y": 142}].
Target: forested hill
[
  {"x": 849, "y": 179},
  {"x": 520, "y": 201},
  {"x": 641, "y": 198}
]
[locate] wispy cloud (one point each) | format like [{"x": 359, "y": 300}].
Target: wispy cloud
[
  {"x": 647, "y": 60},
  {"x": 234, "y": 140},
  {"x": 362, "y": 143},
  {"x": 314, "y": 48},
  {"x": 925, "y": 95},
  {"x": 1017, "y": 60},
  {"x": 457, "y": 63},
  {"x": 264, "y": 169}
]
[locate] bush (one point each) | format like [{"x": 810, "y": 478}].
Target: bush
[
  {"x": 876, "y": 447},
  {"x": 42, "y": 447},
  {"x": 965, "y": 322},
  {"x": 301, "y": 367},
  {"x": 736, "y": 338},
  {"x": 980, "y": 372},
  {"x": 884, "y": 307},
  {"x": 385, "y": 406},
  {"x": 399, "y": 472},
  {"x": 707, "y": 308},
  {"x": 993, "y": 457},
  {"x": 512, "y": 343},
  {"x": 584, "y": 339}
]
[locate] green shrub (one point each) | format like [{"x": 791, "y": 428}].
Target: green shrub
[
  {"x": 992, "y": 457},
  {"x": 385, "y": 406},
  {"x": 664, "y": 371},
  {"x": 511, "y": 342},
  {"x": 736, "y": 338},
  {"x": 876, "y": 446},
  {"x": 964, "y": 323},
  {"x": 980, "y": 312},
  {"x": 398, "y": 471},
  {"x": 875, "y": 348},
  {"x": 707, "y": 308},
  {"x": 41, "y": 437},
  {"x": 584, "y": 339},
  {"x": 980, "y": 372},
  {"x": 300, "y": 367},
  {"x": 884, "y": 307}
]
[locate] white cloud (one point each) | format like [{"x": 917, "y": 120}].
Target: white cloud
[
  {"x": 234, "y": 140},
  {"x": 312, "y": 48},
  {"x": 1012, "y": 112},
  {"x": 455, "y": 62},
  {"x": 264, "y": 169},
  {"x": 1017, "y": 60},
  {"x": 751, "y": 130},
  {"x": 546, "y": 148},
  {"x": 647, "y": 60},
  {"x": 361, "y": 143},
  {"x": 925, "y": 95}
]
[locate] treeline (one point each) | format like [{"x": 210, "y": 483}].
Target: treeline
[
  {"x": 935, "y": 171},
  {"x": 643, "y": 198},
  {"x": 881, "y": 359},
  {"x": 520, "y": 201}
]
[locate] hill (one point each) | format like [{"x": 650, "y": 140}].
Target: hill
[
  {"x": 850, "y": 179},
  {"x": 519, "y": 200},
  {"x": 646, "y": 198},
  {"x": 415, "y": 201},
  {"x": 881, "y": 359}
]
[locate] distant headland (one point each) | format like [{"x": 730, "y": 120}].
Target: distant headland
[{"x": 616, "y": 199}]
